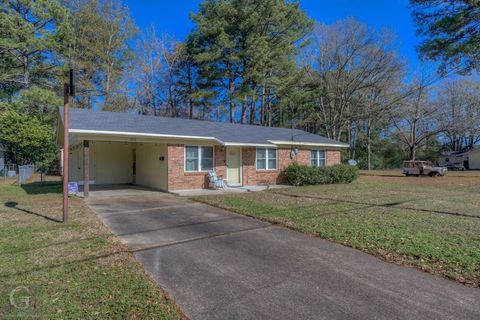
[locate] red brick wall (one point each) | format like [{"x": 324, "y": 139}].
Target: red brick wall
[
  {"x": 333, "y": 157},
  {"x": 251, "y": 176},
  {"x": 179, "y": 179},
  {"x": 220, "y": 162}
]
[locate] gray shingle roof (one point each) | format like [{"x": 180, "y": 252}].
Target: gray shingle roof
[{"x": 82, "y": 119}]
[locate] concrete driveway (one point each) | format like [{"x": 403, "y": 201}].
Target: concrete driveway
[{"x": 219, "y": 265}]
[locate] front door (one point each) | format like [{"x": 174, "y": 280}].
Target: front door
[{"x": 233, "y": 166}]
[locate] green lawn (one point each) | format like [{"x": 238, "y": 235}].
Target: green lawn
[
  {"x": 429, "y": 223},
  {"x": 77, "y": 270}
]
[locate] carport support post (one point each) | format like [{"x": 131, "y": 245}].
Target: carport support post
[{"x": 86, "y": 169}]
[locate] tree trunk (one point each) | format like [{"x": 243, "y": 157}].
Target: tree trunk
[
  {"x": 190, "y": 109},
  {"x": 231, "y": 88},
  {"x": 190, "y": 91},
  {"x": 369, "y": 145},
  {"x": 253, "y": 106},
  {"x": 413, "y": 140},
  {"x": 243, "y": 118},
  {"x": 262, "y": 106},
  {"x": 352, "y": 135},
  {"x": 413, "y": 151},
  {"x": 269, "y": 108}
]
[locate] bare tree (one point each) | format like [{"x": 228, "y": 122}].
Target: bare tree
[
  {"x": 99, "y": 50},
  {"x": 166, "y": 78},
  {"x": 417, "y": 118},
  {"x": 348, "y": 68},
  {"x": 460, "y": 101},
  {"x": 375, "y": 109},
  {"x": 157, "y": 62},
  {"x": 148, "y": 73}
]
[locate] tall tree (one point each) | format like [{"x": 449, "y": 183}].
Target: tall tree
[
  {"x": 166, "y": 78},
  {"x": 148, "y": 72},
  {"x": 374, "y": 111},
  {"x": 33, "y": 34},
  {"x": 100, "y": 50},
  {"x": 452, "y": 32},
  {"x": 417, "y": 119},
  {"x": 239, "y": 46},
  {"x": 348, "y": 70},
  {"x": 460, "y": 101}
]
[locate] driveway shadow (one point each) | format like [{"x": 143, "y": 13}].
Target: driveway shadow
[{"x": 384, "y": 205}]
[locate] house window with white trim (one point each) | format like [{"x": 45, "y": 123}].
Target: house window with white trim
[
  {"x": 198, "y": 158},
  {"x": 266, "y": 159},
  {"x": 318, "y": 158}
]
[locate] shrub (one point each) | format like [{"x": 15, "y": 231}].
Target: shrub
[
  {"x": 298, "y": 175},
  {"x": 301, "y": 175},
  {"x": 342, "y": 173}
]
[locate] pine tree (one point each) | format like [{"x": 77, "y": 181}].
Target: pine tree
[
  {"x": 33, "y": 34},
  {"x": 244, "y": 47},
  {"x": 452, "y": 32}
]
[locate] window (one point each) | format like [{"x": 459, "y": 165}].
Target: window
[
  {"x": 198, "y": 158},
  {"x": 266, "y": 159},
  {"x": 318, "y": 158}
]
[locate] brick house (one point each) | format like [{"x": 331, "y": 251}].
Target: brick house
[{"x": 174, "y": 154}]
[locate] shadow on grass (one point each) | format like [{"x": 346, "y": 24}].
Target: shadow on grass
[
  {"x": 105, "y": 236},
  {"x": 383, "y": 205},
  {"x": 13, "y": 205},
  {"x": 382, "y": 175},
  {"x": 43, "y": 187}
]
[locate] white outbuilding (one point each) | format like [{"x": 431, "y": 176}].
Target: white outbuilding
[
  {"x": 470, "y": 159},
  {"x": 473, "y": 158}
]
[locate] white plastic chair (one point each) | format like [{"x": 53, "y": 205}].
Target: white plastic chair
[{"x": 215, "y": 181}]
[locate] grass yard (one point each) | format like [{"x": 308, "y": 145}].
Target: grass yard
[
  {"x": 429, "y": 223},
  {"x": 77, "y": 270}
]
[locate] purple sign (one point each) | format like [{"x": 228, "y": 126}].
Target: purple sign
[{"x": 72, "y": 188}]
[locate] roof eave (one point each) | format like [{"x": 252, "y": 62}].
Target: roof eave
[
  {"x": 247, "y": 144},
  {"x": 134, "y": 135},
  {"x": 309, "y": 144}
]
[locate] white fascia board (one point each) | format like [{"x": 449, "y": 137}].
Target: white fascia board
[
  {"x": 240, "y": 144},
  {"x": 142, "y": 135},
  {"x": 309, "y": 144}
]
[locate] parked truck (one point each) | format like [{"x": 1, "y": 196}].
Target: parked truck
[{"x": 422, "y": 168}]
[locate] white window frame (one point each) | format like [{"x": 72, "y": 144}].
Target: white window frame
[
  {"x": 317, "y": 164},
  {"x": 266, "y": 159},
  {"x": 199, "y": 158}
]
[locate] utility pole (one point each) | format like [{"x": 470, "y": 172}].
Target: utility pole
[{"x": 68, "y": 90}]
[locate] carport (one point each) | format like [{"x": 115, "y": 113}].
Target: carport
[
  {"x": 118, "y": 149},
  {"x": 116, "y": 162}
]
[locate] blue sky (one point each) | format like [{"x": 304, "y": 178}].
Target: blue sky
[{"x": 172, "y": 17}]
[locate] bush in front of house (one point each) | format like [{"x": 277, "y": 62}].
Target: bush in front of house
[
  {"x": 341, "y": 173},
  {"x": 301, "y": 175}
]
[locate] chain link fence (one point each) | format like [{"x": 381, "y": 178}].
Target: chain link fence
[
  {"x": 25, "y": 173},
  {"x": 8, "y": 171}
]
